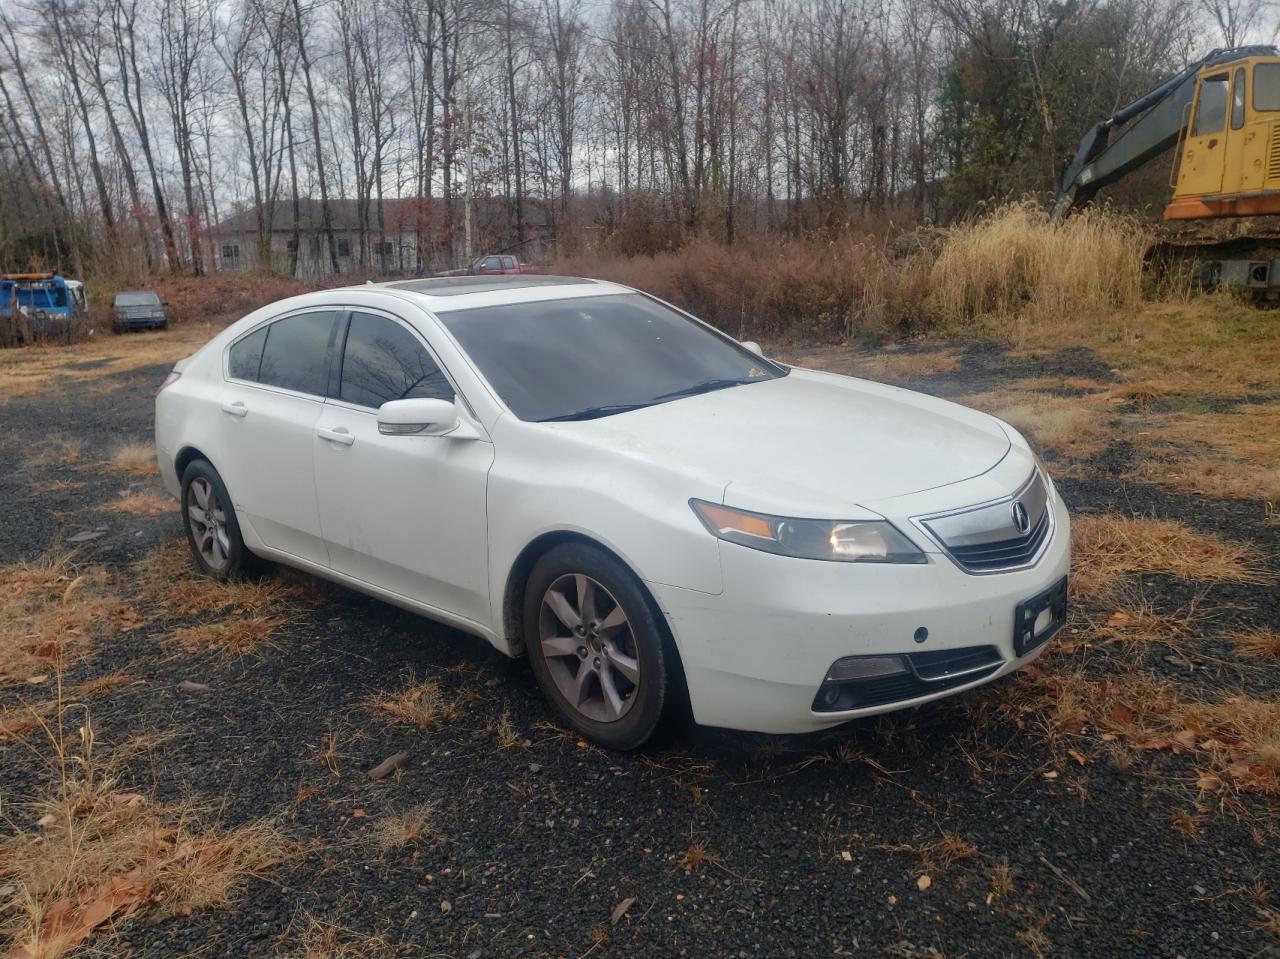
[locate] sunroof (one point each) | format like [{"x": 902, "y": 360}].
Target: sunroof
[{"x": 458, "y": 285}]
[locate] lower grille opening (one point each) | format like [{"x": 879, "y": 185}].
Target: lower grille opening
[{"x": 922, "y": 675}]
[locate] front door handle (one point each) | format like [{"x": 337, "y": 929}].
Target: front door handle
[
  {"x": 340, "y": 435},
  {"x": 236, "y": 409}
]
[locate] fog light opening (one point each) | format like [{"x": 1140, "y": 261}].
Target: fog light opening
[{"x": 920, "y": 635}]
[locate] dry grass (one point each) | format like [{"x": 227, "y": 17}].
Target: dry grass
[
  {"x": 136, "y": 458},
  {"x": 325, "y": 940},
  {"x": 892, "y": 366},
  {"x": 418, "y": 704},
  {"x": 95, "y": 854},
  {"x": 141, "y": 504},
  {"x": 57, "y": 451},
  {"x": 1073, "y": 425},
  {"x": 1265, "y": 644},
  {"x": 53, "y": 612},
  {"x": 409, "y": 827},
  {"x": 1251, "y": 726},
  {"x": 33, "y": 370},
  {"x": 168, "y": 582},
  {"x": 237, "y": 635},
  {"x": 1106, "y": 548},
  {"x": 1015, "y": 262},
  {"x": 697, "y": 857}
]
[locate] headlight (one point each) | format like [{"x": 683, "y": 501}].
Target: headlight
[{"x": 844, "y": 541}]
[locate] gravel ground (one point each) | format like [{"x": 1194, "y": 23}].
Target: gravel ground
[{"x": 730, "y": 844}]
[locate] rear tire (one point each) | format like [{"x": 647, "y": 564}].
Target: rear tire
[
  {"x": 213, "y": 532},
  {"x": 609, "y": 673}
]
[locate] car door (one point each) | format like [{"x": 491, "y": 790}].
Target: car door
[
  {"x": 272, "y": 396},
  {"x": 402, "y": 513},
  {"x": 1203, "y": 155}
]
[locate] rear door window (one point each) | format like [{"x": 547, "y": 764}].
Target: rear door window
[
  {"x": 383, "y": 361},
  {"x": 296, "y": 352}
]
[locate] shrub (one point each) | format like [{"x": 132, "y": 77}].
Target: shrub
[{"x": 810, "y": 288}]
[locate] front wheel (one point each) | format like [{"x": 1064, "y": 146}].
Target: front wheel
[
  {"x": 597, "y": 648},
  {"x": 213, "y": 533}
]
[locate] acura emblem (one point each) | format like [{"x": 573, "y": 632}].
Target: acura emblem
[{"x": 1020, "y": 518}]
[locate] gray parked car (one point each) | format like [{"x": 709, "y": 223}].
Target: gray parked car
[{"x": 137, "y": 310}]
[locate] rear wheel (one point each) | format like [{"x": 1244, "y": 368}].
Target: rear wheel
[
  {"x": 597, "y": 648},
  {"x": 213, "y": 533}
]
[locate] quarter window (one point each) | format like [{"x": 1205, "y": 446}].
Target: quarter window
[
  {"x": 383, "y": 361},
  {"x": 246, "y": 356},
  {"x": 294, "y": 355}
]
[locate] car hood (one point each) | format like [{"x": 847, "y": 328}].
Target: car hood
[{"x": 809, "y": 443}]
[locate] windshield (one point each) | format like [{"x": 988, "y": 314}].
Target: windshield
[
  {"x": 598, "y": 355},
  {"x": 137, "y": 299}
]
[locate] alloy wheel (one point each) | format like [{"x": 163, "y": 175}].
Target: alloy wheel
[
  {"x": 208, "y": 521},
  {"x": 589, "y": 648}
]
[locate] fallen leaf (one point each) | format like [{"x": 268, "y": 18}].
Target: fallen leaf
[
  {"x": 1051, "y": 774},
  {"x": 1121, "y": 715},
  {"x": 621, "y": 909},
  {"x": 47, "y": 820},
  {"x": 446, "y": 906},
  {"x": 1185, "y": 738},
  {"x": 1077, "y": 756},
  {"x": 1119, "y": 618},
  {"x": 846, "y": 856},
  {"x": 924, "y": 882}
]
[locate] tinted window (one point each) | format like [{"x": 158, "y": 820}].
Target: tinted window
[
  {"x": 1266, "y": 86},
  {"x": 598, "y": 355},
  {"x": 491, "y": 263},
  {"x": 1211, "y": 112},
  {"x": 384, "y": 361},
  {"x": 246, "y": 355},
  {"x": 294, "y": 357},
  {"x": 1237, "y": 100}
]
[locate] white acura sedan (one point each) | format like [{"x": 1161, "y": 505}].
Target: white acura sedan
[{"x": 653, "y": 512}]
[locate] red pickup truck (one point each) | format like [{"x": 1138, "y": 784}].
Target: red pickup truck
[{"x": 494, "y": 265}]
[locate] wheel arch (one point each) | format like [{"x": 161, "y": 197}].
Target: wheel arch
[
  {"x": 186, "y": 456},
  {"x": 518, "y": 577}
]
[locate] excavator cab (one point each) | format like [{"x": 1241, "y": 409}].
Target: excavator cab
[{"x": 1228, "y": 157}]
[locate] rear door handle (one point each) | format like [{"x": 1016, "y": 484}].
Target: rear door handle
[
  {"x": 237, "y": 409},
  {"x": 340, "y": 435}
]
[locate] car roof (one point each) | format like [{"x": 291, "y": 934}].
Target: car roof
[{"x": 446, "y": 293}]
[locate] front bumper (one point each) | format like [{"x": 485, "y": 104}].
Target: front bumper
[{"x": 755, "y": 655}]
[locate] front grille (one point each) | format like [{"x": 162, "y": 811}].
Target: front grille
[
  {"x": 932, "y": 672},
  {"x": 1006, "y": 553},
  {"x": 996, "y": 536},
  {"x": 1273, "y": 153}
]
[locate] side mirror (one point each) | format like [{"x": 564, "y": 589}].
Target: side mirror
[
  {"x": 754, "y": 347},
  {"x": 421, "y": 417}
]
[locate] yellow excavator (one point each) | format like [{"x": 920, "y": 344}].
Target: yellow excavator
[{"x": 1222, "y": 116}]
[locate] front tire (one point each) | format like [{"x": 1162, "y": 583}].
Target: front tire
[
  {"x": 597, "y": 647},
  {"x": 213, "y": 532}
]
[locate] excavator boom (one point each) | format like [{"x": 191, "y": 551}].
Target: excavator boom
[{"x": 1162, "y": 115}]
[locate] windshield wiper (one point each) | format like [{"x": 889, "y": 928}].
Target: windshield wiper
[
  {"x": 696, "y": 388},
  {"x": 595, "y": 412}
]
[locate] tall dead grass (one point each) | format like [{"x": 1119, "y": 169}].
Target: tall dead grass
[{"x": 1014, "y": 262}]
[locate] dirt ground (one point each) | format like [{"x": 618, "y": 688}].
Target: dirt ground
[{"x": 1117, "y": 799}]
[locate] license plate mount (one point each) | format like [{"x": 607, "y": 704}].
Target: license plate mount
[{"x": 1038, "y": 619}]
